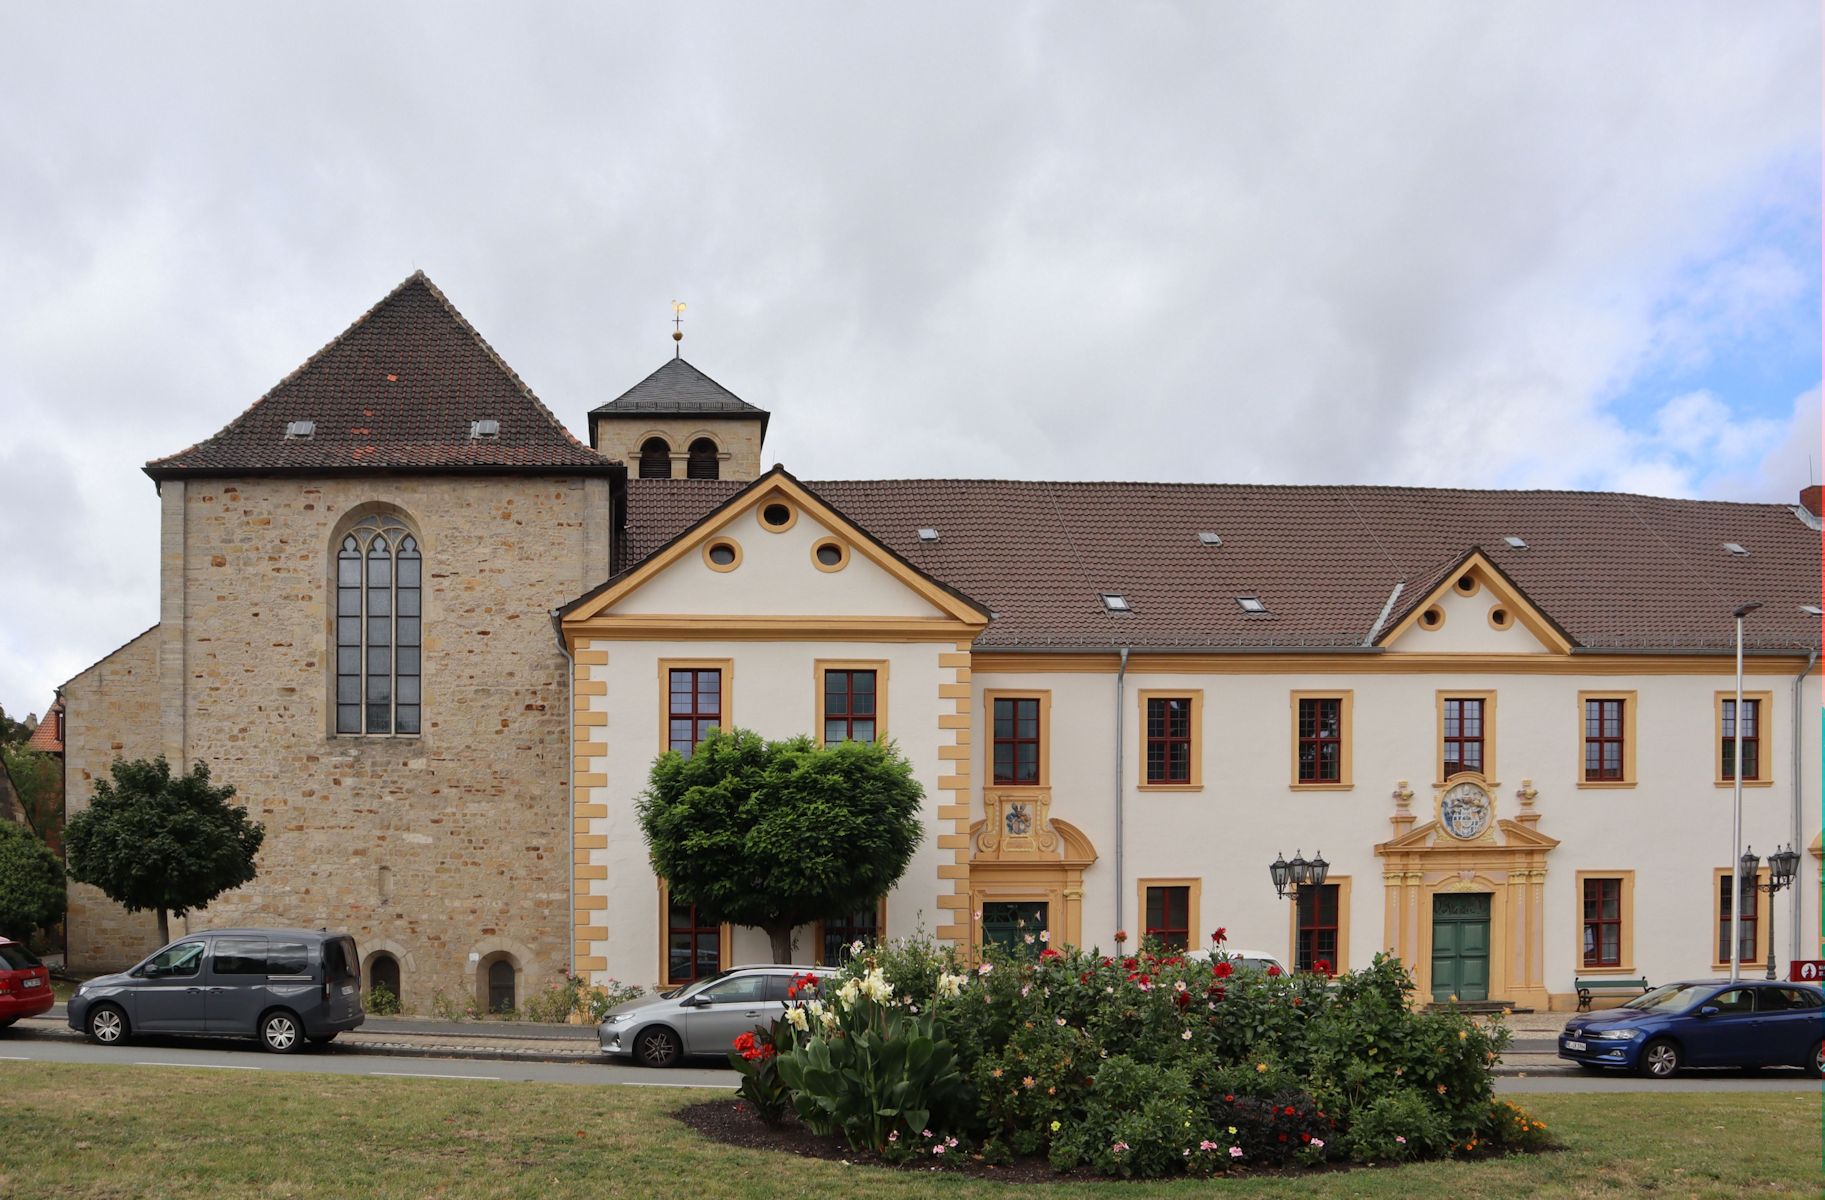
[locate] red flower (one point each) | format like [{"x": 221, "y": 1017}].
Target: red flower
[
  {"x": 1289, "y": 1110},
  {"x": 1121, "y": 935},
  {"x": 1322, "y": 967},
  {"x": 1222, "y": 970},
  {"x": 1129, "y": 964},
  {"x": 1048, "y": 952},
  {"x": 1305, "y": 1137},
  {"x": 1220, "y": 936},
  {"x": 1229, "y": 1099},
  {"x": 1182, "y": 999},
  {"x": 1272, "y": 972},
  {"x": 745, "y": 1042}
]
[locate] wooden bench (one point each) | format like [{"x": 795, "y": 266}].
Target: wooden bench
[{"x": 1605, "y": 984}]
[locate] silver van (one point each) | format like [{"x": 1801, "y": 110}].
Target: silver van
[{"x": 285, "y": 987}]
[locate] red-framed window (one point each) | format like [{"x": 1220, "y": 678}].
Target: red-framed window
[
  {"x": 1317, "y": 929},
  {"x": 849, "y": 706},
  {"x": 840, "y": 934},
  {"x": 1463, "y": 734},
  {"x": 1725, "y": 893},
  {"x": 1169, "y": 916},
  {"x": 1169, "y": 739},
  {"x": 693, "y": 945},
  {"x": 1604, "y": 736},
  {"x": 1752, "y": 740},
  {"x": 1016, "y": 740},
  {"x": 1603, "y": 922},
  {"x": 1320, "y": 739},
  {"x": 693, "y": 706}
]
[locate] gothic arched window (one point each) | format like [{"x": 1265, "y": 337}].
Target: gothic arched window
[
  {"x": 655, "y": 459},
  {"x": 379, "y": 635},
  {"x": 703, "y": 463}
]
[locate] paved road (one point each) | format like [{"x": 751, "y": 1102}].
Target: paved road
[{"x": 232, "y": 1056}]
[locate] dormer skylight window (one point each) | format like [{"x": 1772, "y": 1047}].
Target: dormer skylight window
[
  {"x": 1209, "y": 538},
  {"x": 1115, "y": 602},
  {"x": 1736, "y": 548},
  {"x": 484, "y": 429},
  {"x": 1517, "y": 542},
  {"x": 927, "y": 533},
  {"x": 1251, "y": 604},
  {"x": 1812, "y": 610},
  {"x": 300, "y": 429}
]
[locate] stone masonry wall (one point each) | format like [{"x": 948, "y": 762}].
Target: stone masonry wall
[
  {"x": 110, "y": 711},
  {"x": 445, "y": 849},
  {"x": 738, "y": 439}
]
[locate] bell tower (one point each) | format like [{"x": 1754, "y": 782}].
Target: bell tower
[{"x": 678, "y": 423}]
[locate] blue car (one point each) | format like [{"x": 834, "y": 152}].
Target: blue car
[{"x": 1704, "y": 1023}]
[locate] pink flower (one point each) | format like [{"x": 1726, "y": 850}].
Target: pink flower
[
  {"x": 1400, "y": 1139},
  {"x": 985, "y": 968},
  {"x": 1118, "y": 1148},
  {"x": 1317, "y": 1143},
  {"x": 937, "y": 1149},
  {"x": 1235, "y": 1152},
  {"x": 1207, "y": 1144}
]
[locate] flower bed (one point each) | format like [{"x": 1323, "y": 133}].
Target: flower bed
[{"x": 1139, "y": 1065}]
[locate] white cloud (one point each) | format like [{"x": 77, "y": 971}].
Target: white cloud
[{"x": 1408, "y": 243}]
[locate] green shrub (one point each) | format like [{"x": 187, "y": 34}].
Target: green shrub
[
  {"x": 1397, "y": 1126},
  {"x": 1511, "y": 1127},
  {"x": 381, "y": 1001},
  {"x": 572, "y": 994},
  {"x": 446, "y": 1009},
  {"x": 31, "y": 883},
  {"x": 1137, "y": 1117}
]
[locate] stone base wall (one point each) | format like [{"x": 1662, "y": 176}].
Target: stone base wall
[{"x": 110, "y": 711}]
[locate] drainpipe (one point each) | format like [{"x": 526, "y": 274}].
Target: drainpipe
[
  {"x": 570, "y": 779},
  {"x": 1121, "y": 676},
  {"x": 1794, "y": 902}
]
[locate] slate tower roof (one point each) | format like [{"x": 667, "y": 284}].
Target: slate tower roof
[{"x": 677, "y": 388}]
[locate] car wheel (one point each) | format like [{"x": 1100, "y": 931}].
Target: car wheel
[
  {"x": 280, "y": 1032},
  {"x": 1815, "y": 1062},
  {"x": 1660, "y": 1059},
  {"x": 107, "y": 1025},
  {"x": 656, "y": 1047}
]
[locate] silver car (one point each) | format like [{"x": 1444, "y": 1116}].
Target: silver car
[{"x": 704, "y": 1017}]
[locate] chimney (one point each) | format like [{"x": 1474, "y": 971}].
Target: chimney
[{"x": 1810, "y": 499}]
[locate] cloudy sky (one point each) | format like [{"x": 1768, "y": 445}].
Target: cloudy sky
[{"x": 1529, "y": 245}]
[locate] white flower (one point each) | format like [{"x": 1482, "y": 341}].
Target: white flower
[
  {"x": 796, "y": 1017},
  {"x": 1029, "y": 939},
  {"x": 848, "y": 992},
  {"x": 1045, "y": 935},
  {"x": 985, "y": 968},
  {"x": 855, "y": 947},
  {"x": 874, "y": 985},
  {"x": 951, "y": 985},
  {"x": 1186, "y": 1035}
]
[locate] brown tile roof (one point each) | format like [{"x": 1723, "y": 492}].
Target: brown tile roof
[
  {"x": 1617, "y": 572},
  {"x": 395, "y": 391},
  {"x": 48, "y": 737}
]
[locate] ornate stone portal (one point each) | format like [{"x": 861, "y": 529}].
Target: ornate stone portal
[
  {"x": 1018, "y": 853},
  {"x": 1467, "y": 847}
]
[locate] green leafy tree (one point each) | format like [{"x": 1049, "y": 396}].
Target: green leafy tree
[
  {"x": 31, "y": 883},
  {"x": 153, "y": 840},
  {"x": 12, "y": 732},
  {"x": 775, "y": 835},
  {"x": 38, "y": 781}
]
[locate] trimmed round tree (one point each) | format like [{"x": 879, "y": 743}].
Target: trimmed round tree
[
  {"x": 775, "y": 835},
  {"x": 153, "y": 840},
  {"x": 31, "y": 883}
]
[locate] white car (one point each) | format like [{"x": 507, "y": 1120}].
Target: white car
[{"x": 1259, "y": 960}]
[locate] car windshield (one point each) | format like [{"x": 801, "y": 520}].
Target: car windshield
[
  {"x": 14, "y": 957},
  {"x": 1671, "y": 998}
]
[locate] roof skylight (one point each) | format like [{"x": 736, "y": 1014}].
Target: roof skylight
[
  {"x": 1736, "y": 548},
  {"x": 484, "y": 429},
  {"x": 1517, "y": 542},
  {"x": 1812, "y": 610},
  {"x": 1209, "y": 538},
  {"x": 1115, "y": 602},
  {"x": 1251, "y": 604},
  {"x": 927, "y": 533},
  {"x": 300, "y": 429}
]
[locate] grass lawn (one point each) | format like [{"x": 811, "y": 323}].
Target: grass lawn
[{"x": 141, "y": 1131}]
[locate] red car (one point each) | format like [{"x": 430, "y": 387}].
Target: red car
[{"x": 25, "y": 983}]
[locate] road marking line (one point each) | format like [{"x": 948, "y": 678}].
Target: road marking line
[
  {"x": 428, "y": 1075},
  {"x": 14, "y": 1058},
  {"x": 201, "y": 1066}
]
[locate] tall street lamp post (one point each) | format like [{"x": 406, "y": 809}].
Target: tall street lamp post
[
  {"x": 1781, "y": 866},
  {"x": 1736, "y": 819},
  {"x": 1297, "y": 875}
]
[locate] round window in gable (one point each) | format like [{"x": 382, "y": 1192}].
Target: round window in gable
[
  {"x": 777, "y": 516},
  {"x": 1432, "y": 618},
  {"x": 722, "y": 555},
  {"x": 1498, "y": 618},
  {"x": 1467, "y": 584},
  {"x": 829, "y": 554}
]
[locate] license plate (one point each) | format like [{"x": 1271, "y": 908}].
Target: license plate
[
  {"x": 1574, "y": 1045},
  {"x": 34, "y": 982}
]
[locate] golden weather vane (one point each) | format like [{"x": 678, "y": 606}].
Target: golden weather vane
[{"x": 677, "y": 326}]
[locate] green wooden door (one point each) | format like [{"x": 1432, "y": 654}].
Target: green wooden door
[
  {"x": 1460, "y": 946},
  {"x": 1011, "y": 924}
]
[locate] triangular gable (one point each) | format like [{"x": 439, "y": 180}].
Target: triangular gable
[
  {"x": 951, "y": 605},
  {"x": 1436, "y": 586}
]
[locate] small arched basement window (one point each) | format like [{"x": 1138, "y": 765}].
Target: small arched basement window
[
  {"x": 500, "y": 985},
  {"x": 703, "y": 463},
  {"x": 383, "y": 972},
  {"x": 655, "y": 459}
]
